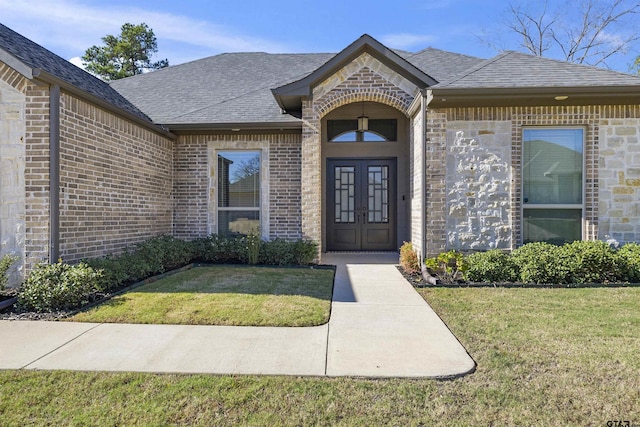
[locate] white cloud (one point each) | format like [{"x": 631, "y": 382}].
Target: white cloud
[
  {"x": 77, "y": 61},
  {"x": 69, "y": 28},
  {"x": 406, "y": 40}
]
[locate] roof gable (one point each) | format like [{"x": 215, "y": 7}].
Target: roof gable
[{"x": 289, "y": 96}]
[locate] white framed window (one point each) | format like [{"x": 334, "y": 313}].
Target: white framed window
[
  {"x": 552, "y": 184},
  {"x": 239, "y": 195}
]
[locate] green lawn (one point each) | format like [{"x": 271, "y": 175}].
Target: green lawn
[
  {"x": 545, "y": 357},
  {"x": 224, "y": 295}
]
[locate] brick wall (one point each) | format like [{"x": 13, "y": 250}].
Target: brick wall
[
  {"x": 115, "y": 181},
  {"x": 435, "y": 222},
  {"x": 36, "y": 176},
  {"x": 195, "y": 182}
]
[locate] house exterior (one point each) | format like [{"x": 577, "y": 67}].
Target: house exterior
[{"x": 358, "y": 151}]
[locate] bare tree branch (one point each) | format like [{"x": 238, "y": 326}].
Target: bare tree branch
[{"x": 604, "y": 29}]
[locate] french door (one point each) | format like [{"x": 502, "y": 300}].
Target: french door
[{"x": 361, "y": 208}]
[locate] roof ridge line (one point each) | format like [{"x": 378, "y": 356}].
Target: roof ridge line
[
  {"x": 477, "y": 67},
  {"x": 228, "y": 99}
]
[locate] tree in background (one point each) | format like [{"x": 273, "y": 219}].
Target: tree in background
[
  {"x": 125, "y": 55},
  {"x": 603, "y": 28}
]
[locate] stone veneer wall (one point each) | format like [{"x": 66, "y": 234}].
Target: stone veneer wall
[
  {"x": 115, "y": 181},
  {"x": 363, "y": 79},
  {"x": 619, "y": 178},
  {"x": 195, "y": 182},
  {"x": 12, "y": 164},
  {"x": 478, "y": 181}
]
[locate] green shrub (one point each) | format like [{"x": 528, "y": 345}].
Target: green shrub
[
  {"x": 629, "y": 255},
  {"x": 5, "y": 263},
  {"x": 282, "y": 252},
  {"x": 541, "y": 263},
  {"x": 305, "y": 252},
  {"x": 221, "y": 249},
  {"x": 59, "y": 286},
  {"x": 151, "y": 257},
  {"x": 276, "y": 252},
  {"x": 448, "y": 266},
  {"x": 409, "y": 259},
  {"x": 591, "y": 262},
  {"x": 491, "y": 266}
]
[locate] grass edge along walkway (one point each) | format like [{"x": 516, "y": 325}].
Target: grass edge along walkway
[{"x": 230, "y": 295}]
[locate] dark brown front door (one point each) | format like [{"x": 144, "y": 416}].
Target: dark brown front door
[{"x": 361, "y": 208}]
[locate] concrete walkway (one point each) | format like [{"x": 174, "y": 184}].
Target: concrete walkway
[{"x": 379, "y": 327}]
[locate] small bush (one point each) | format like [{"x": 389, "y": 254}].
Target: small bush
[
  {"x": 491, "y": 266},
  {"x": 629, "y": 257},
  {"x": 305, "y": 252},
  {"x": 448, "y": 266},
  {"x": 59, "y": 286},
  {"x": 409, "y": 259},
  {"x": 221, "y": 249},
  {"x": 541, "y": 263},
  {"x": 282, "y": 252},
  {"x": 5, "y": 263},
  {"x": 276, "y": 252},
  {"x": 591, "y": 262}
]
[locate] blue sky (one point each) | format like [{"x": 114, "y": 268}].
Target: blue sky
[{"x": 189, "y": 30}]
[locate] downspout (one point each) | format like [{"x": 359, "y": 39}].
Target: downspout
[
  {"x": 423, "y": 173},
  {"x": 54, "y": 173}
]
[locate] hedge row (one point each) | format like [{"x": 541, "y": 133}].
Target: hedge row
[
  {"x": 542, "y": 263},
  {"x": 62, "y": 286}
]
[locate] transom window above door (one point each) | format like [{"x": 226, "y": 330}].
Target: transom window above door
[{"x": 377, "y": 130}]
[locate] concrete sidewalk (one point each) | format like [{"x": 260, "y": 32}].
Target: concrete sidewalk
[{"x": 379, "y": 327}]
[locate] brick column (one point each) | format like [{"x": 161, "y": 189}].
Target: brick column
[
  {"x": 311, "y": 175},
  {"x": 436, "y": 192}
]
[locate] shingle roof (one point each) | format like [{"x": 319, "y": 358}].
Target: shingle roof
[
  {"x": 517, "y": 70},
  {"x": 440, "y": 64},
  {"x": 226, "y": 88},
  {"x": 37, "y": 57}
]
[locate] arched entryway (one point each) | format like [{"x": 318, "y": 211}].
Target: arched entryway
[{"x": 365, "y": 178}]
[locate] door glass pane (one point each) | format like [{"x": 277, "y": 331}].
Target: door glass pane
[
  {"x": 378, "y": 194},
  {"x": 344, "y": 183},
  {"x": 552, "y": 166},
  {"x": 556, "y": 226}
]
